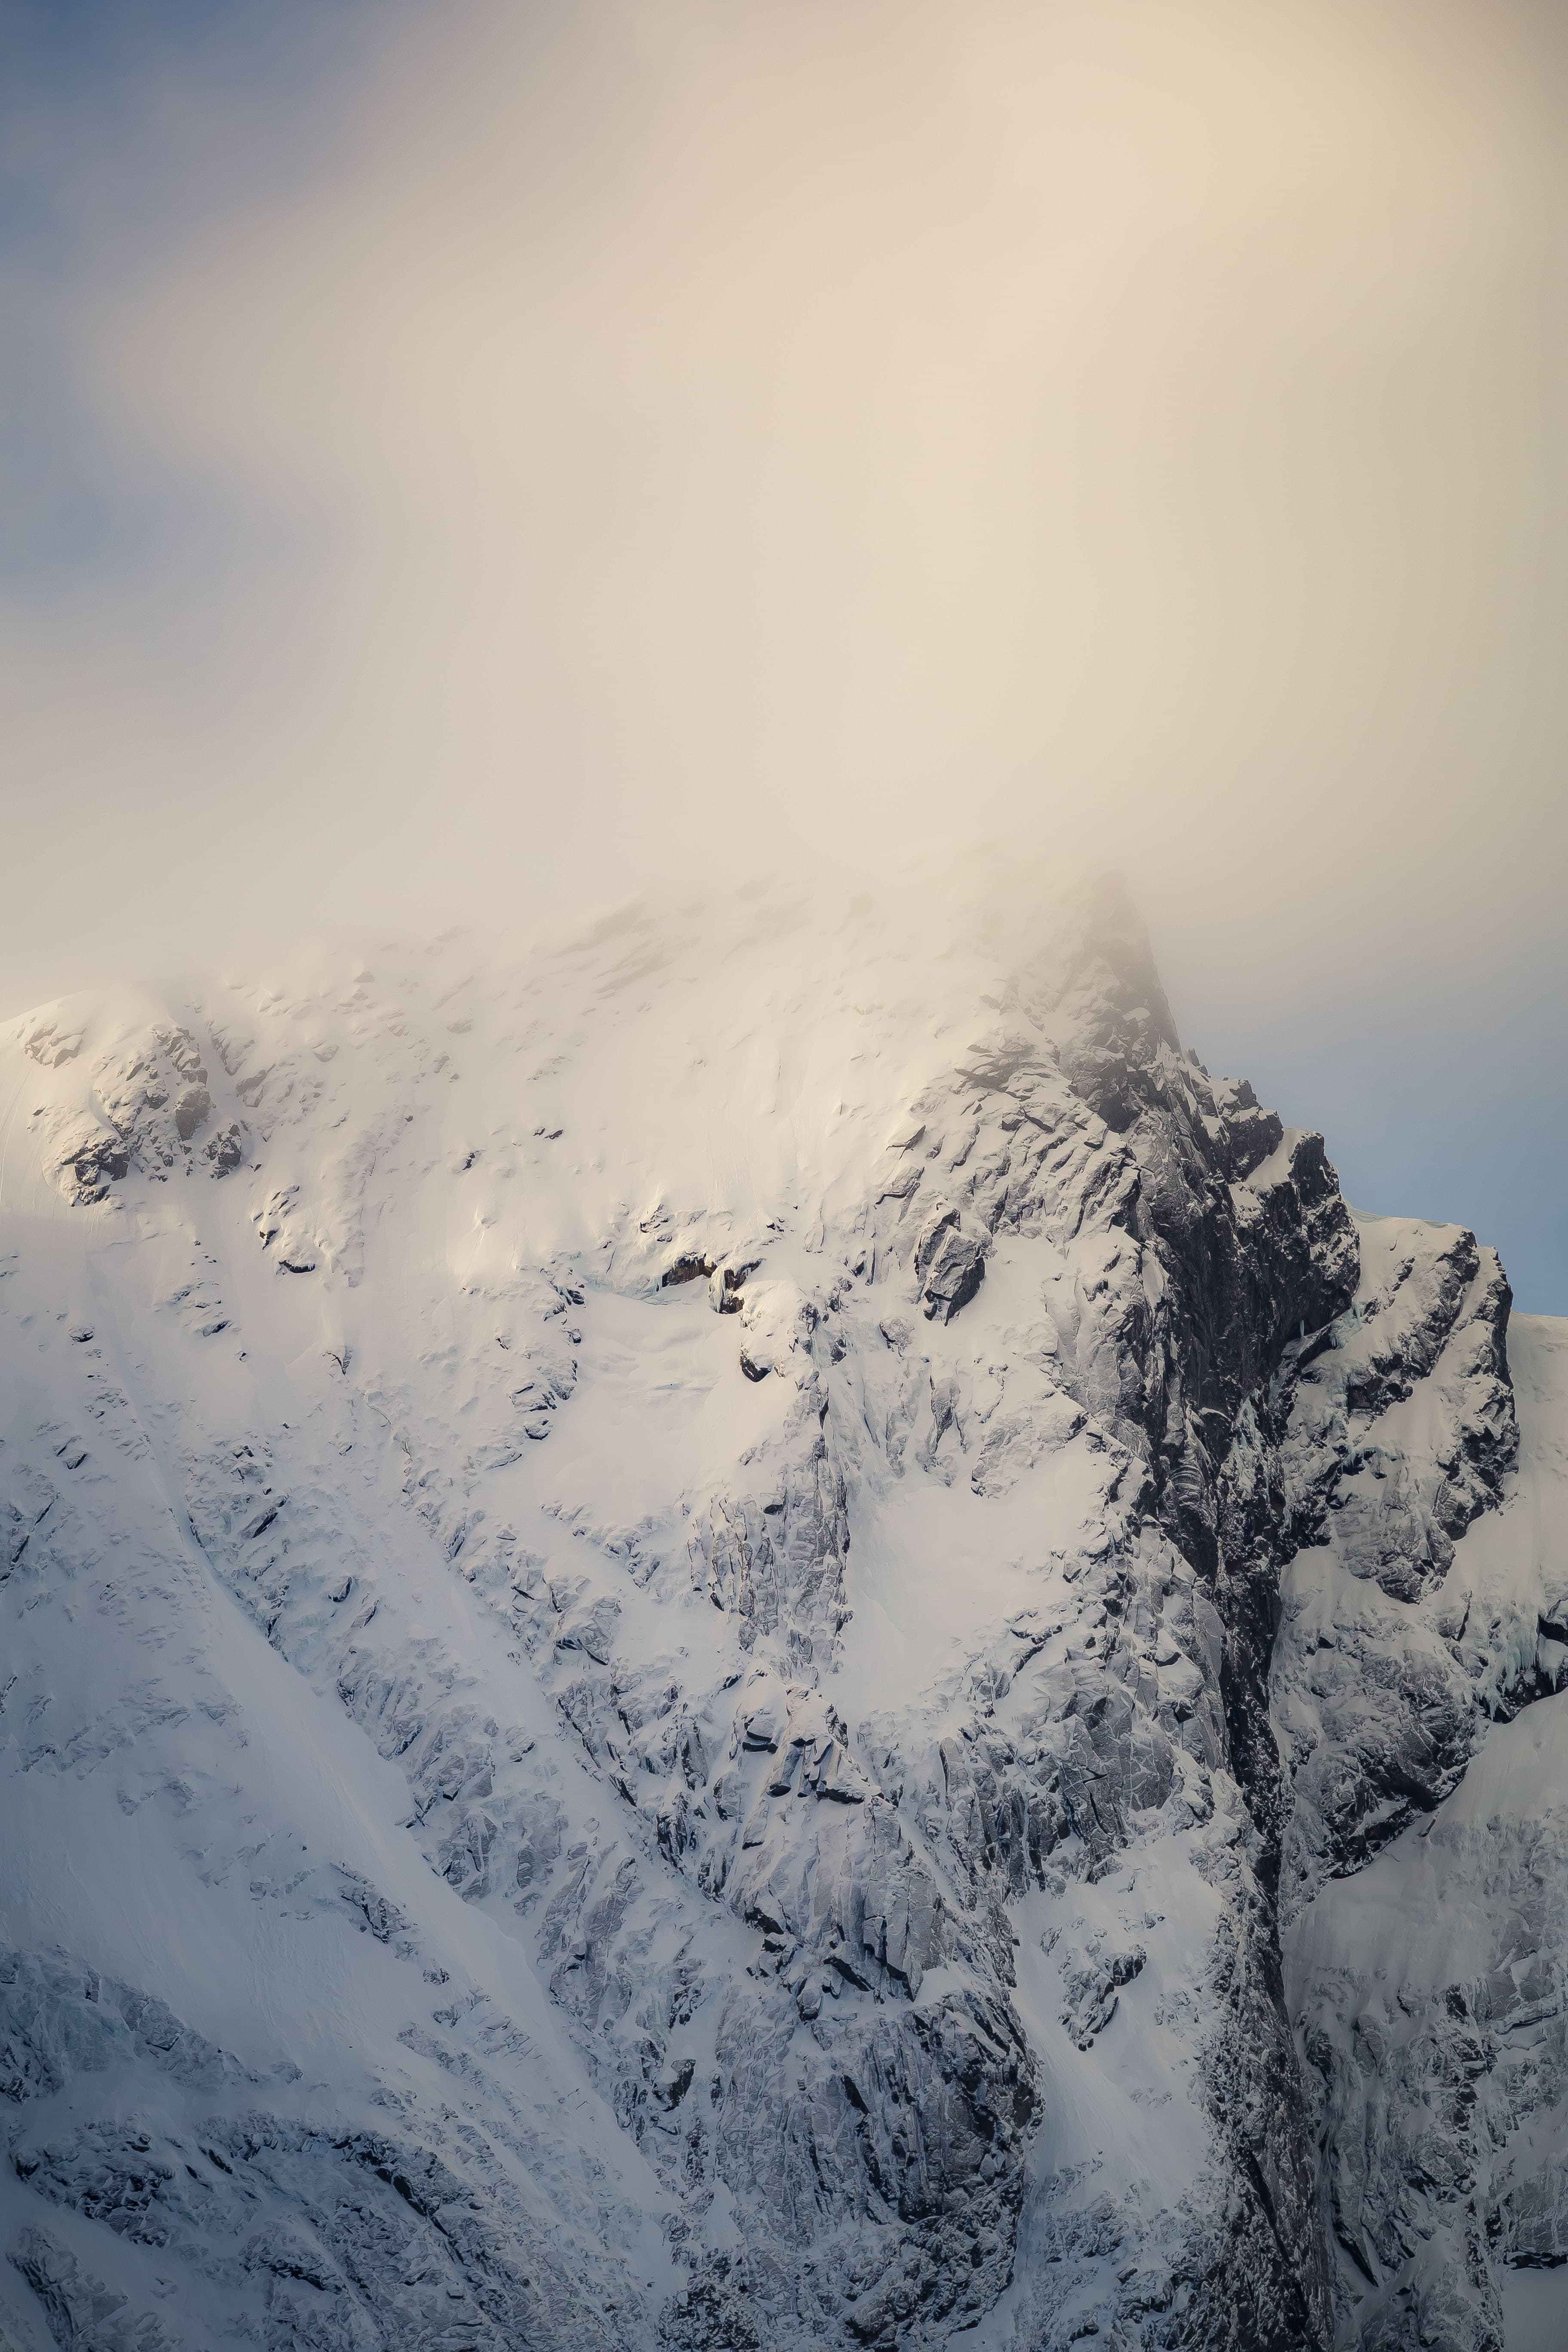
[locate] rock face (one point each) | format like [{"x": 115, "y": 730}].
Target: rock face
[
  {"x": 1425, "y": 1880},
  {"x": 715, "y": 1658}
]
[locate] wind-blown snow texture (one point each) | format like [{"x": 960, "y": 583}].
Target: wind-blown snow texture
[{"x": 750, "y": 1635}]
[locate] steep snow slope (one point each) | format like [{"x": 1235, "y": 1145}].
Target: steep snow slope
[{"x": 641, "y": 1591}]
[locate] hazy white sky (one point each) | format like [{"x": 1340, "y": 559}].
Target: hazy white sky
[{"x": 491, "y": 459}]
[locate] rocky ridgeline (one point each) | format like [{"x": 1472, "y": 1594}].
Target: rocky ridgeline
[{"x": 834, "y": 1963}]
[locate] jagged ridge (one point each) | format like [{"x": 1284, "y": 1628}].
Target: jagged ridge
[{"x": 844, "y": 1721}]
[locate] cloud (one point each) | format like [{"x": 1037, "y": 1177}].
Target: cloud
[{"x": 570, "y": 447}]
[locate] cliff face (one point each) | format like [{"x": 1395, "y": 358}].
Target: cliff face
[
  {"x": 682, "y": 1617},
  {"x": 1422, "y": 1883}
]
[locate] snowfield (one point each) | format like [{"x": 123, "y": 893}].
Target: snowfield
[{"x": 759, "y": 1631}]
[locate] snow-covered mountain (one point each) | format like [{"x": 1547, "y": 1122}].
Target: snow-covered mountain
[{"x": 758, "y": 1632}]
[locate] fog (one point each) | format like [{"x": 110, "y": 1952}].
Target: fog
[{"x": 487, "y": 461}]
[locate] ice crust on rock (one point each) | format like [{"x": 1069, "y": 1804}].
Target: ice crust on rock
[{"x": 757, "y": 1631}]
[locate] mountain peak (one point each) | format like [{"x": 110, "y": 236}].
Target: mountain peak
[{"x": 707, "y": 1594}]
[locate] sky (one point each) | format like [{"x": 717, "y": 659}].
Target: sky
[{"x": 485, "y": 462}]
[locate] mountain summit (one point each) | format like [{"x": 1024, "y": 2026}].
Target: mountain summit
[{"x": 761, "y": 1633}]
